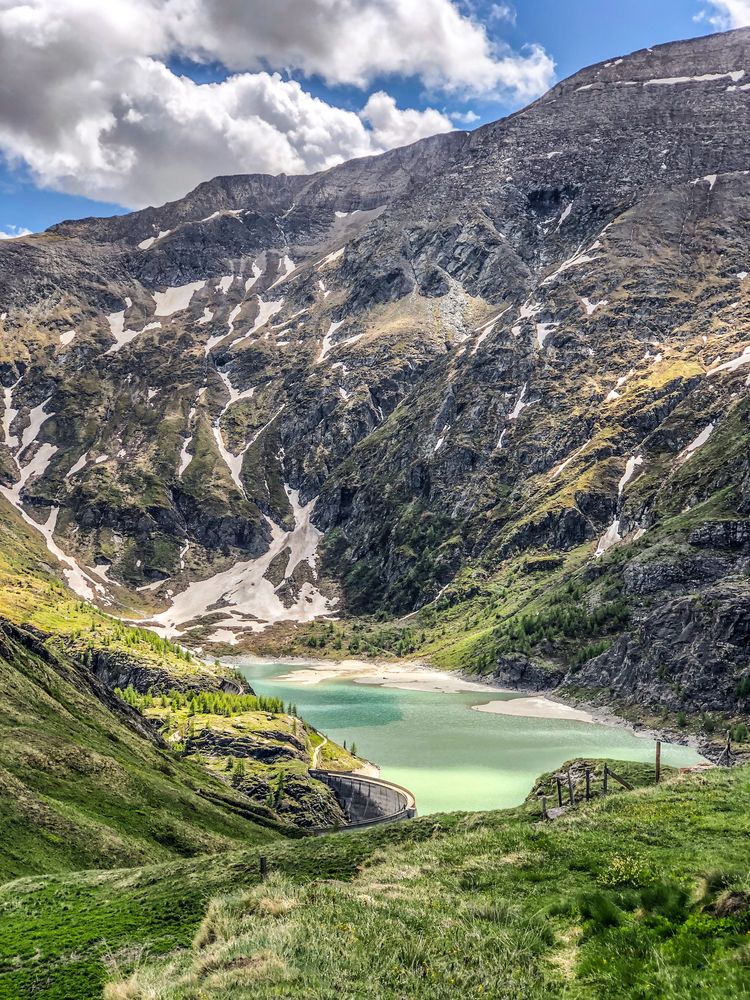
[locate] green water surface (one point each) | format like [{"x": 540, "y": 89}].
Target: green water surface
[{"x": 434, "y": 744}]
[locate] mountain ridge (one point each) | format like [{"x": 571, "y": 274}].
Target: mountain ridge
[{"x": 319, "y": 402}]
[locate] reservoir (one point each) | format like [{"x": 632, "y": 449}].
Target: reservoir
[{"x": 433, "y": 743}]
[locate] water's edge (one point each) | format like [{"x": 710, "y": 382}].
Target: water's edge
[{"x": 416, "y": 724}]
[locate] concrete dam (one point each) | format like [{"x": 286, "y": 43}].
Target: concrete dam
[{"x": 368, "y": 801}]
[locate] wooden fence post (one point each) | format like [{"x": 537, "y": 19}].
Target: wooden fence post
[
  {"x": 570, "y": 789},
  {"x": 606, "y": 777},
  {"x": 619, "y": 780},
  {"x": 559, "y": 790},
  {"x": 658, "y": 761},
  {"x": 588, "y": 784},
  {"x": 263, "y": 868}
]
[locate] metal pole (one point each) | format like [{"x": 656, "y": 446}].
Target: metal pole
[{"x": 588, "y": 784}]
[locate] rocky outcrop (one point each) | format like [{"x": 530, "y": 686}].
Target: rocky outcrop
[
  {"x": 290, "y": 792},
  {"x": 690, "y": 653},
  {"x": 269, "y": 748},
  {"x": 119, "y": 670},
  {"x": 520, "y": 672},
  {"x": 305, "y": 802},
  {"x": 73, "y": 672}
]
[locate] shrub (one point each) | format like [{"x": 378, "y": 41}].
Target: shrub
[
  {"x": 667, "y": 900},
  {"x": 708, "y": 725},
  {"x": 601, "y": 910},
  {"x": 625, "y": 870}
]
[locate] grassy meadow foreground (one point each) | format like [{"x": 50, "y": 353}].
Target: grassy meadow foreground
[{"x": 642, "y": 894}]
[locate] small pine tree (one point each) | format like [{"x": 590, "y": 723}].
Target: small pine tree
[{"x": 354, "y": 750}]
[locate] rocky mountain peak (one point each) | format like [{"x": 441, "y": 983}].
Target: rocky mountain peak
[{"x": 281, "y": 398}]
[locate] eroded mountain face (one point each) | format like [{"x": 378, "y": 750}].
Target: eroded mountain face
[{"x": 283, "y": 398}]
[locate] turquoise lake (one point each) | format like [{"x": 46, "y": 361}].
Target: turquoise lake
[{"x": 449, "y": 756}]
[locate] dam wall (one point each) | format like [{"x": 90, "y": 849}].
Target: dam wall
[{"x": 368, "y": 801}]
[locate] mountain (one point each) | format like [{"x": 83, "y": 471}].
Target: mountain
[
  {"x": 485, "y": 395},
  {"x": 91, "y": 776},
  {"x": 85, "y": 782}
]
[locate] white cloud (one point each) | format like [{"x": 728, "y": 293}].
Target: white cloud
[
  {"x": 96, "y": 110},
  {"x": 503, "y": 12},
  {"x": 464, "y": 117},
  {"x": 392, "y": 127},
  {"x": 354, "y": 41},
  {"x": 13, "y": 232},
  {"x": 725, "y": 14}
]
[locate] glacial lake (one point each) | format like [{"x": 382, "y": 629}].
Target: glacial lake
[{"x": 449, "y": 756}]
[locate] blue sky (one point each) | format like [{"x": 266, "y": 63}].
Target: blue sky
[{"x": 574, "y": 33}]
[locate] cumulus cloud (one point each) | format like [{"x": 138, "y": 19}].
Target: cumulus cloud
[
  {"x": 393, "y": 127},
  {"x": 92, "y": 106},
  {"x": 13, "y": 232},
  {"x": 464, "y": 117},
  {"x": 353, "y": 41},
  {"x": 725, "y": 14}
]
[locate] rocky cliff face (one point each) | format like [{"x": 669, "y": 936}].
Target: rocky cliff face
[{"x": 492, "y": 370}]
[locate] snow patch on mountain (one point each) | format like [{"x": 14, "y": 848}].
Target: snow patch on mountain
[
  {"x": 266, "y": 310},
  {"x": 328, "y": 341},
  {"x": 630, "y": 466},
  {"x": 735, "y": 363},
  {"x": 246, "y": 595},
  {"x": 563, "y": 465},
  {"x": 610, "y": 537},
  {"x": 695, "y": 444},
  {"x": 125, "y": 337},
  {"x": 79, "y": 464},
  {"x": 185, "y": 456},
  {"x": 331, "y": 258},
  {"x": 9, "y": 415},
  {"x": 286, "y": 267},
  {"x": 145, "y": 244},
  {"x": 173, "y": 300},
  {"x": 591, "y": 307},
  {"x": 257, "y": 271}
]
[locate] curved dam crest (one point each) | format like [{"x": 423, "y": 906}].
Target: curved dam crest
[{"x": 368, "y": 801}]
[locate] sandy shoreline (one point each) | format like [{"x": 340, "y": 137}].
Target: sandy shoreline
[
  {"x": 536, "y": 707},
  {"x": 416, "y": 676}
]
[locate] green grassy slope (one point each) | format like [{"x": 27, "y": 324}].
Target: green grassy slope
[
  {"x": 31, "y": 593},
  {"x": 82, "y": 782},
  {"x": 611, "y": 900}
]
